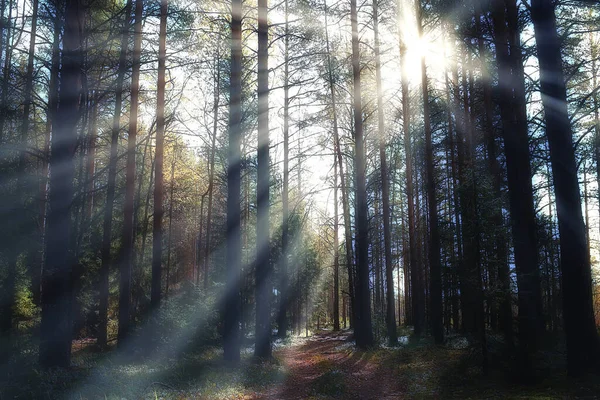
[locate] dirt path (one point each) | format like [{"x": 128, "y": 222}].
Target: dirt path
[{"x": 328, "y": 365}]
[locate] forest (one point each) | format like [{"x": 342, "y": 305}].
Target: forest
[{"x": 299, "y": 199}]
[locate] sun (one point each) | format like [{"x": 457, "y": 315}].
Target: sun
[{"x": 429, "y": 45}]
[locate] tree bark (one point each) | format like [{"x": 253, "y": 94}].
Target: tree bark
[
  {"x": 157, "y": 226},
  {"x": 435, "y": 265},
  {"x": 282, "y": 321},
  {"x": 211, "y": 177},
  {"x": 516, "y": 146},
  {"x": 417, "y": 311},
  {"x": 385, "y": 191},
  {"x": 231, "y": 339},
  {"x": 583, "y": 344},
  {"x": 263, "y": 259},
  {"x": 363, "y": 326},
  {"x": 343, "y": 187},
  {"x": 55, "y": 330},
  {"x": 110, "y": 189},
  {"x": 126, "y": 266}
]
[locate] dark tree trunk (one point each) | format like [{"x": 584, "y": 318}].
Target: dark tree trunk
[
  {"x": 501, "y": 313},
  {"x": 231, "y": 335},
  {"x": 4, "y": 110},
  {"x": 263, "y": 260},
  {"x": 520, "y": 189},
  {"x": 126, "y": 266},
  {"x": 417, "y": 311},
  {"x": 91, "y": 158},
  {"x": 37, "y": 266},
  {"x": 343, "y": 187},
  {"x": 110, "y": 189},
  {"x": 55, "y": 330},
  {"x": 583, "y": 345},
  {"x": 363, "y": 326},
  {"x": 435, "y": 264},
  {"x": 385, "y": 191}
]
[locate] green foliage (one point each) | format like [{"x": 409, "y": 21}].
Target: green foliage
[{"x": 331, "y": 383}]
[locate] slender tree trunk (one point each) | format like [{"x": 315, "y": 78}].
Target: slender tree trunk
[
  {"x": 37, "y": 266},
  {"x": 157, "y": 228},
  {"x": 4, "y": 110},
  {"x": 417, "y": 311},
  {"x": 211, "y": 177},
  {"x": 231, "y": 339},
  {"x": 583, "y": 344},
  {"x": 91, "y": 158},
  {"x": 336, "y": 251},
  {"x": 126, "y": 266},
  {"x": 376, "y": 259},
  {"x": 434, "y": 234},
  {"x": 385, "y": 191},
  {"x": 111, "y": 184},
  {"x": 586, "y": 209},
  {"x": 263, "y": 261},
  {"x": 170, "y": 241},
  {"x": 595, "y": 102},
  {"x": 363, "y": 325},
  {"x": 498, "y": 241},
  {"x": 282, "y": 321},
  {"x": 28, "y": 96},
  {"x": 343, "y": 187}
]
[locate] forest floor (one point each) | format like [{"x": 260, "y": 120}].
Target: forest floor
[{"x": 323, "y": 366}]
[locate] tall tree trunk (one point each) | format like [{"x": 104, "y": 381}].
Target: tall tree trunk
[
  {"x": 157, "y": 228},
  {"x": 127, "y": 262},
  {"x": 231, "y": 339},
  {"x": 474, "y": 322},
  {"x": 110, "y": 189},
  {"x": 37, "y": 266},
  {"x": 385, "y": 191},
  {"x": 282, "y": 321},
  {"x": 417, "y": 311},
  {"x": 4, "y": 111},
  {"x": 363, "y": 326},
  {"x": 596, "y": 103},
  {"x": 55, "y": 330},
  {"x": 28, "y": 95},
  {"x": 263, "y": 259},
  {"x": 211, "y": 177},
  {"x": 91, "y": 158},
  {"x": 434, "y": 234},
  {"x": 516, "y": 146},
  {"x": 343, "y": 187},
  {"x": 500, "y": 299},
  {"x": 169, "y": 240},
  {"x": 336, "y": 250},
  {"x": 583, "y": 344}
]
